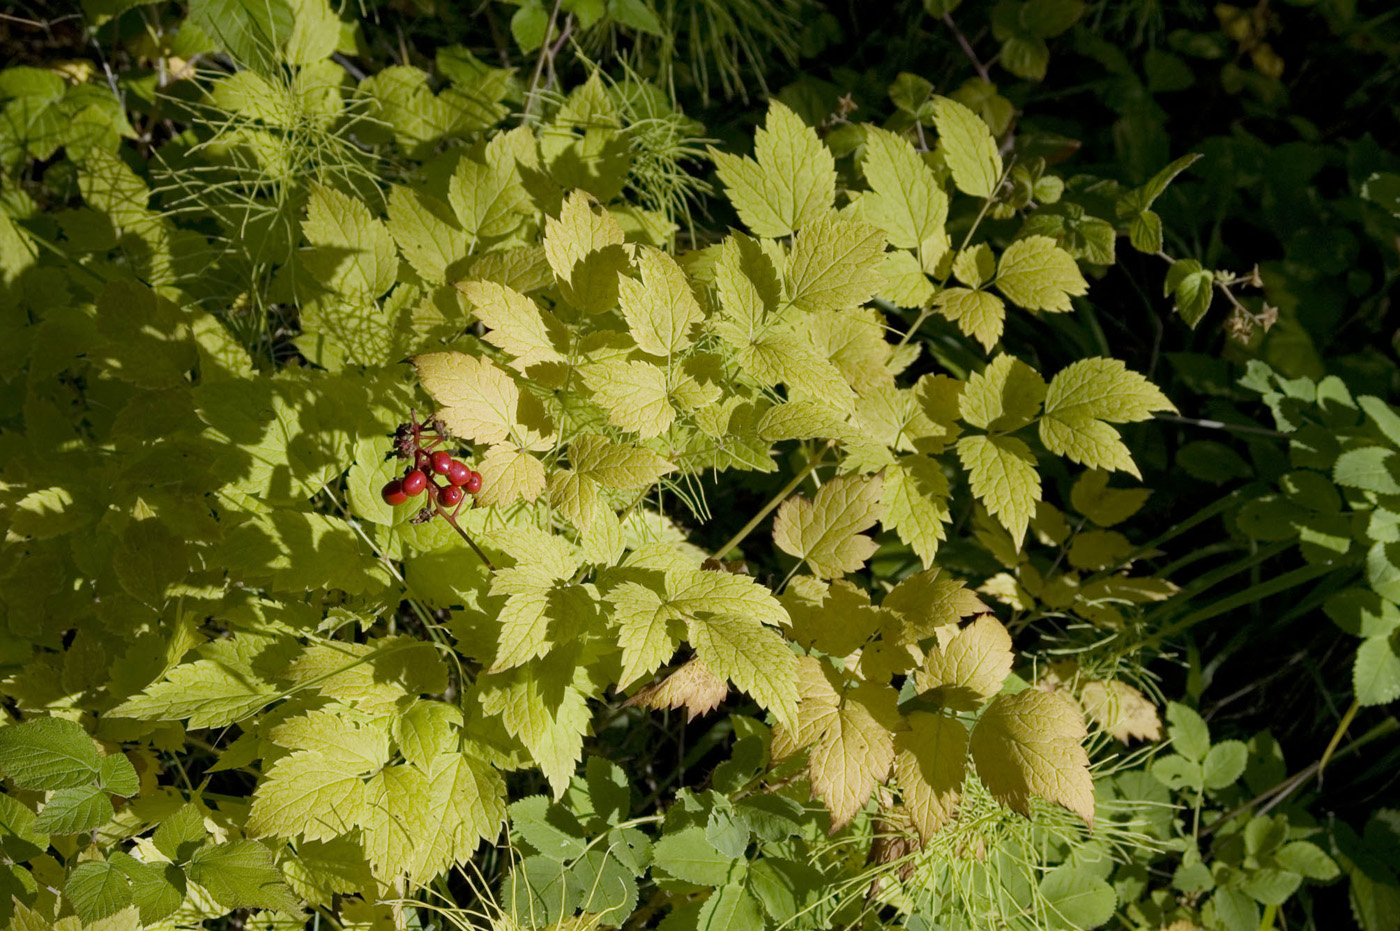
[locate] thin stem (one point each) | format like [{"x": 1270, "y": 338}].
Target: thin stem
[
  {"x": 532, "y": 94},
  {"x": 1337, "y": 736},
  {"x": 777, "y": 499},
  {"x": 1218, "y": 425},
  {"x": 967, "y": 48},
  {"x": 451, "y": 519}
]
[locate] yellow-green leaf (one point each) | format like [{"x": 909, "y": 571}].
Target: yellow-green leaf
[
  {"x": 584, "y": 247},
  {"x": 915, "y": 499},
  {"x": 1003, "y": 397},
  {"x": 1002, "y": 473},
  {"x": 826, "y": 531},
  {"x": 516, "y": 324},
  {"x": 905, "y": 200},
  {"x": 634, "y": 396},
  {"x": 930, "y": 763},
  {"x": 855, "y": 752},
  {"x": 790, "y": 181},
  {"x": 509, "y": 474},
  {"x": 1084, "y": 398},
  {"x": 971, "y": 667},
  {"x": 979, "y": 314},
  {"x": 968, "y": 147},
  {"x": 835, "y": 264},
  {"x": 660, "y": 309},
  {"x": 1036, "y": 274}
]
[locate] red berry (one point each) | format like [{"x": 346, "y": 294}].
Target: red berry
[
  {"x": 458, "y": 473},
  {"x": 442, "y": 462},
  {"x": 451, "y": 496},
  {"x": 414, "y": 483},
  {"x": 393, "y": 493},
  {"x": 473, "y": 484}
]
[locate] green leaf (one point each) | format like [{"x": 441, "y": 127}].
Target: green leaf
[
  {"x": 1191, "y": 287},
  {"x": 252, "y": 31},
  {"x": 905, "y": 199},
  {"x": 686, "y": 854},
  {"x": 1077, "y": 898},
  {"x": 915, "y": 502},
  {"x": 549, "y": 719},
  {"x": 311, "y": 795},
  {"x": 1187, "y": 731},
  {"x": 552, "y": 830},
  {"x": 117, "y": 776},
  {"x": 242, "y": 874},
  {"x": 466, "y": 797},
  {"x": 968, "y": 146},
  {"x": 1083, "y": 399},
  {"x": 97, "y": 889},
  {"x": 352, "y": 253},
  {"x": 1370, "y": 468},
  {"x": 396, "y": 819},
  {"x": 634, "y": 395},
  {"x": 1376, "y": 673},
  {"x": 71, "y": 811},
  {"x": 753, "y": 657},
  {"x": 1224, "y": 763},
  {"x": 1234, "y": 910},
  {"x": 1383, "y": 415},
  {"x": 835, "y": 264},
  {"x": 157, "y": 889},
  {"x": 825, "y": 531},
  {"x": 1035, "y": 274},
  {"x": 790, "y": 182},
  {"x": 181, "y": 834},
  {"x": 48, "y": 753},
  {"x": 1308, "y": 860},
  {"x": 730, "y": 908},
  {"x": 427, "y": 233},
  {"x": 1003, "y": 397}
]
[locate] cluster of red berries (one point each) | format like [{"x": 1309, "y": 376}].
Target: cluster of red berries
[{"x": 417, "y": 442}]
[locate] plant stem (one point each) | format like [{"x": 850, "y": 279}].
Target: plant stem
[
  {"x": 532, "y": 93},
  {"x": 967, "y": 48},
  {"x": 776, "y": 500},
  {"x": 1218, "y": 425},
  {"x": 452, "y": 521},
  {"x": 1337, "y": 736}
]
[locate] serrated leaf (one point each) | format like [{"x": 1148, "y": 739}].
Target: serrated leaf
[
  {"x": 71, "y": 811},
  {"x": 1029, "y": 744},
  {"x": 835, "y": 264},
  {"x": 930, "y": 764},
  {"x": 905, "y": 201},
  {"x": 617, "y": 465},
  {"x": 548, "y": 716},
  {"x": 968, "y": 147},
  {"x": 584, "y": 248},
  {"x": 931, "y": 603},
  {"x": 692, "y": 687},
  {"x": 729, "y": 908},
  {"x": 755, "y": 658},
  {"x": 969, "y": 668},
  {"x": 790, "y": 181},
  {"x": 517, "y": 324},
  {"x": 479, "y": 400},
  {"x": 1001, "y": 471},
  {"x": 1086, "y": 396},
  {"x": 117, "y": 776},
  {"x": 509, "y": 474},
  {"x": 1376, "y": 671},
  {"x": 1105, "y": 506},
  {"x": 466, "y": 797},
  {"x": 48, "y": 753},
  {"x": 836, "y": 619},
  {"x": 310, "y": 795},
  {"x": 826, "y": 531},
  {"x": 1004, "y": 396},
  {"x": 915, "y": 502},
  {"x": 1191, "y": 287},
  {"x": 661, "y": 309},
  {"x": 427, "y": 233},
  {"x": 1035, "y": 274},
  {"x": 855, "y": 752},
  {"x": 634, "y": 395},
  {"x": 488, "y": 196},
  {"x": 97, "y": 889},
  {"x": 979, "y": 314},
  {"x": 353, "y": 255},
  {"x": 242, "y": 874}
]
